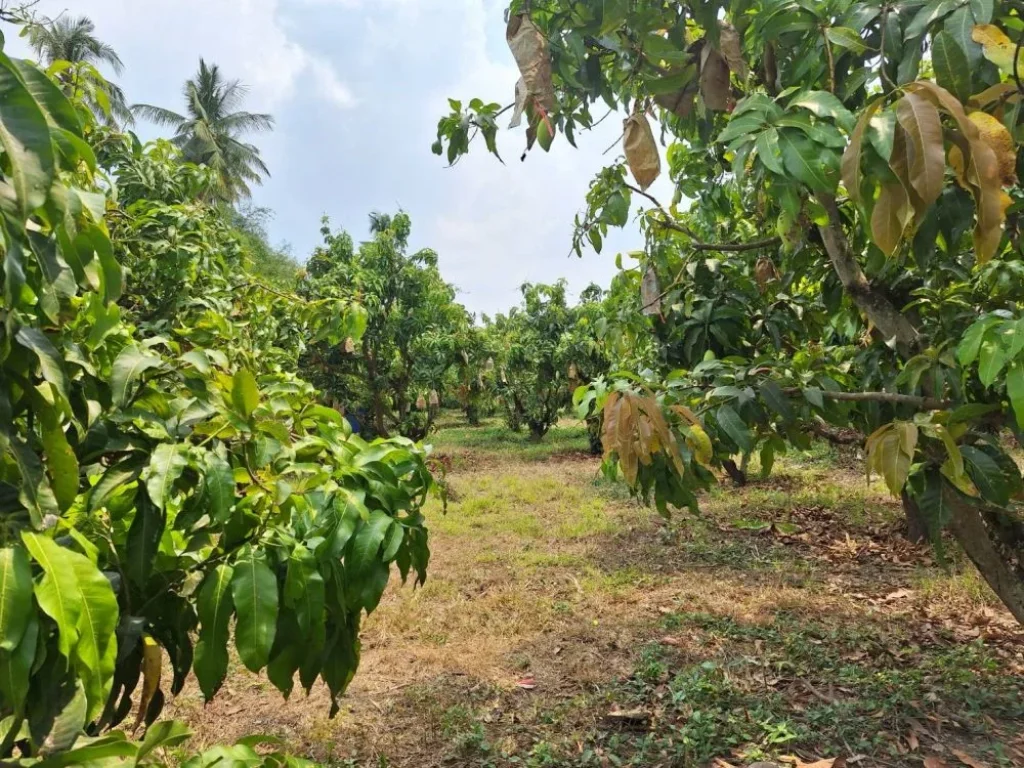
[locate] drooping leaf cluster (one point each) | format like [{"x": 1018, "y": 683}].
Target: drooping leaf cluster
[{"x": 841, "y": 257}]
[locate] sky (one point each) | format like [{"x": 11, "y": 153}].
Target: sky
[{"x": 356, "y": 88}]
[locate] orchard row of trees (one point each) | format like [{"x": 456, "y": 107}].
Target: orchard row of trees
[
  {"x": 172, "y": 485},
  {"x": 176, "y": 474}
]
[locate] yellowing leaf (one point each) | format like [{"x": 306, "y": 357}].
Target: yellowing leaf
[
  {"x": 889, "y": 218},
  {"x": 700, "y": 444},
  {"x": 992, "y": 131},
  {"x": 997, "y": 47},
  {"x": 641, "y": 150},
  {"x": 890, "y": 452},
  {"x": 927, "y": 163}
]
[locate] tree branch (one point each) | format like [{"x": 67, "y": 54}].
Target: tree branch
[
  {"x": 894, "y": 398},
  {"x": 670, "y": 223},
  {"x": 879, "y": 310}
]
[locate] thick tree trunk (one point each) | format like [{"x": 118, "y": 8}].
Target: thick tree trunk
[
  {"x": 917, "y": 526},
  {"x": 880, "y": 310},
  {"x": 977, "y": 534}
]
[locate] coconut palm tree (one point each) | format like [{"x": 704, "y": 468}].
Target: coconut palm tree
[
  {"x": 73, "y": 39},
  {"x": 211, "y": 130}
]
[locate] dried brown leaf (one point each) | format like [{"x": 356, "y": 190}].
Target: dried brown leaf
[
  {"x": 650, "y": 293},
  {"x": 888, "y": 220},
  {"x": 714, "y": 80},
  {"x": 522, "y": 94},
  {"x": 731, "y": 48},
  {"x": 530, "y": 50},
  {"x": 920, "y": 119},
  {"x": 967, "y": 759},
  {"x": 850, "y": 167},
  {"x": 934, "y": 762},
  {"x": 641, "y": 150},
  {"x": 681, "y": 102}
]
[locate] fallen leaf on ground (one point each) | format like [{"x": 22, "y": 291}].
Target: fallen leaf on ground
[
  {"x": 934, "y": 762},
  {"x": 966, "y": 759},
  {"x": 898, "y": 594},
  {"x": 527, "y": 683},
  {"x": 912, "y": 742},
  {"x": 832, "y": 762}
]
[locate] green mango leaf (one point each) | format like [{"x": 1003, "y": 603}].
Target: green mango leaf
[
  {"x": 34, "y": 490},
  {"x": 987, "y": 475},
  {"x": 166, "y": 734},
  {"x": 166, "y": 465},
  {"x": 219, "y": 484},
  {"x": 735, "y": 428},
  {"x": 25, "y": 137},
  {"x": 809, "y": 162},
  {"x": 254, "y": 589},
  {"x": 61, "y": 460},
  {"x": 214, "y": 607},
  {"x": 970, "y": 345},
  {"x": 768, "y": 151},
  {"x": 776, "y": 399},
  {"x": 244, "y": 393},
  {"x": 928, "y": 15},
  {"x": 51, "y": 364},
  {"x": 106, "y": 750},
  {"x": 305, "y": 593},
  {"x": 825, "y": 104},
  {"x": 57, "y": 593},
  {"x": 143, "y": 541},
  {"x": 1015, "y": 390},
  {"x": 16, "y": 667},
  {"x": 991, "y": 361},
  {"x": 76, "y": 595},
  {"x": 67, "y": 724},
  {"x": 130, "y": 364},
  {"x": 364, "y": 550},
  {"x": 952, "y": 70},
  {"x": 16, "y": 588},
  {"x": 49, "y": 97},
  {"x": 844, "y": 37}
]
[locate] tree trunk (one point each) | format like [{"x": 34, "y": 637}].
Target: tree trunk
[
  {"x": 978, "y": 534},
  {"x": 739, "y": 477},
  {"x": 917, "y": 526},
  {"x": 882, "y": 313}
]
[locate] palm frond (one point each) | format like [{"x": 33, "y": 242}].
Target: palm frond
[{"x": 159, "y": 115}]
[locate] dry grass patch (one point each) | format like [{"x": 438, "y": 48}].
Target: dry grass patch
[{"x": 788, "y": 616}]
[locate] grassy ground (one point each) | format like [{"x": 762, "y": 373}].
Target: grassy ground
[{"x": 563, "y": 625}]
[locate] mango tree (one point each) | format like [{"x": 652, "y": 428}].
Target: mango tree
[
  {"x": 412, "y": 326},
  {"x": 842, "y": 252},
  {"x": 168, "y": 484}
]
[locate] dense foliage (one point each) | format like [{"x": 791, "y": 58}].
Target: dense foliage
[
  {"x": 545, "y": 348},
  {"x": 414, "y": 333},
  {"x": 841, "y": 255},
  {"x": 165, "y": 474}
]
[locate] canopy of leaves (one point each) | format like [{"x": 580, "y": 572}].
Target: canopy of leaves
[{"x": 842, "y": 249}]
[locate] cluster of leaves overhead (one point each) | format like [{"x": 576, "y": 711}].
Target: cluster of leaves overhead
[
  {"x": 846, "y": 209},
  {"x": 545, "y": 350},
  {"x": 414, "y": 334},
  {"x": 165, "y": 475}
]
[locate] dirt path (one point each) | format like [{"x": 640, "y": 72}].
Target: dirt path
[{"x": 562, "y": 624}]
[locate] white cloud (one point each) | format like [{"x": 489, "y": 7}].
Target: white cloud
[{"x": 246, "y": 38}]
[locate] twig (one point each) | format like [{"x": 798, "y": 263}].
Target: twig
[
  {"x": 831, "y": 61},
  {"x": 886, "y": 81},
  {"x": 895, "y": 398},
  {"x": 669, "y": 223}
]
